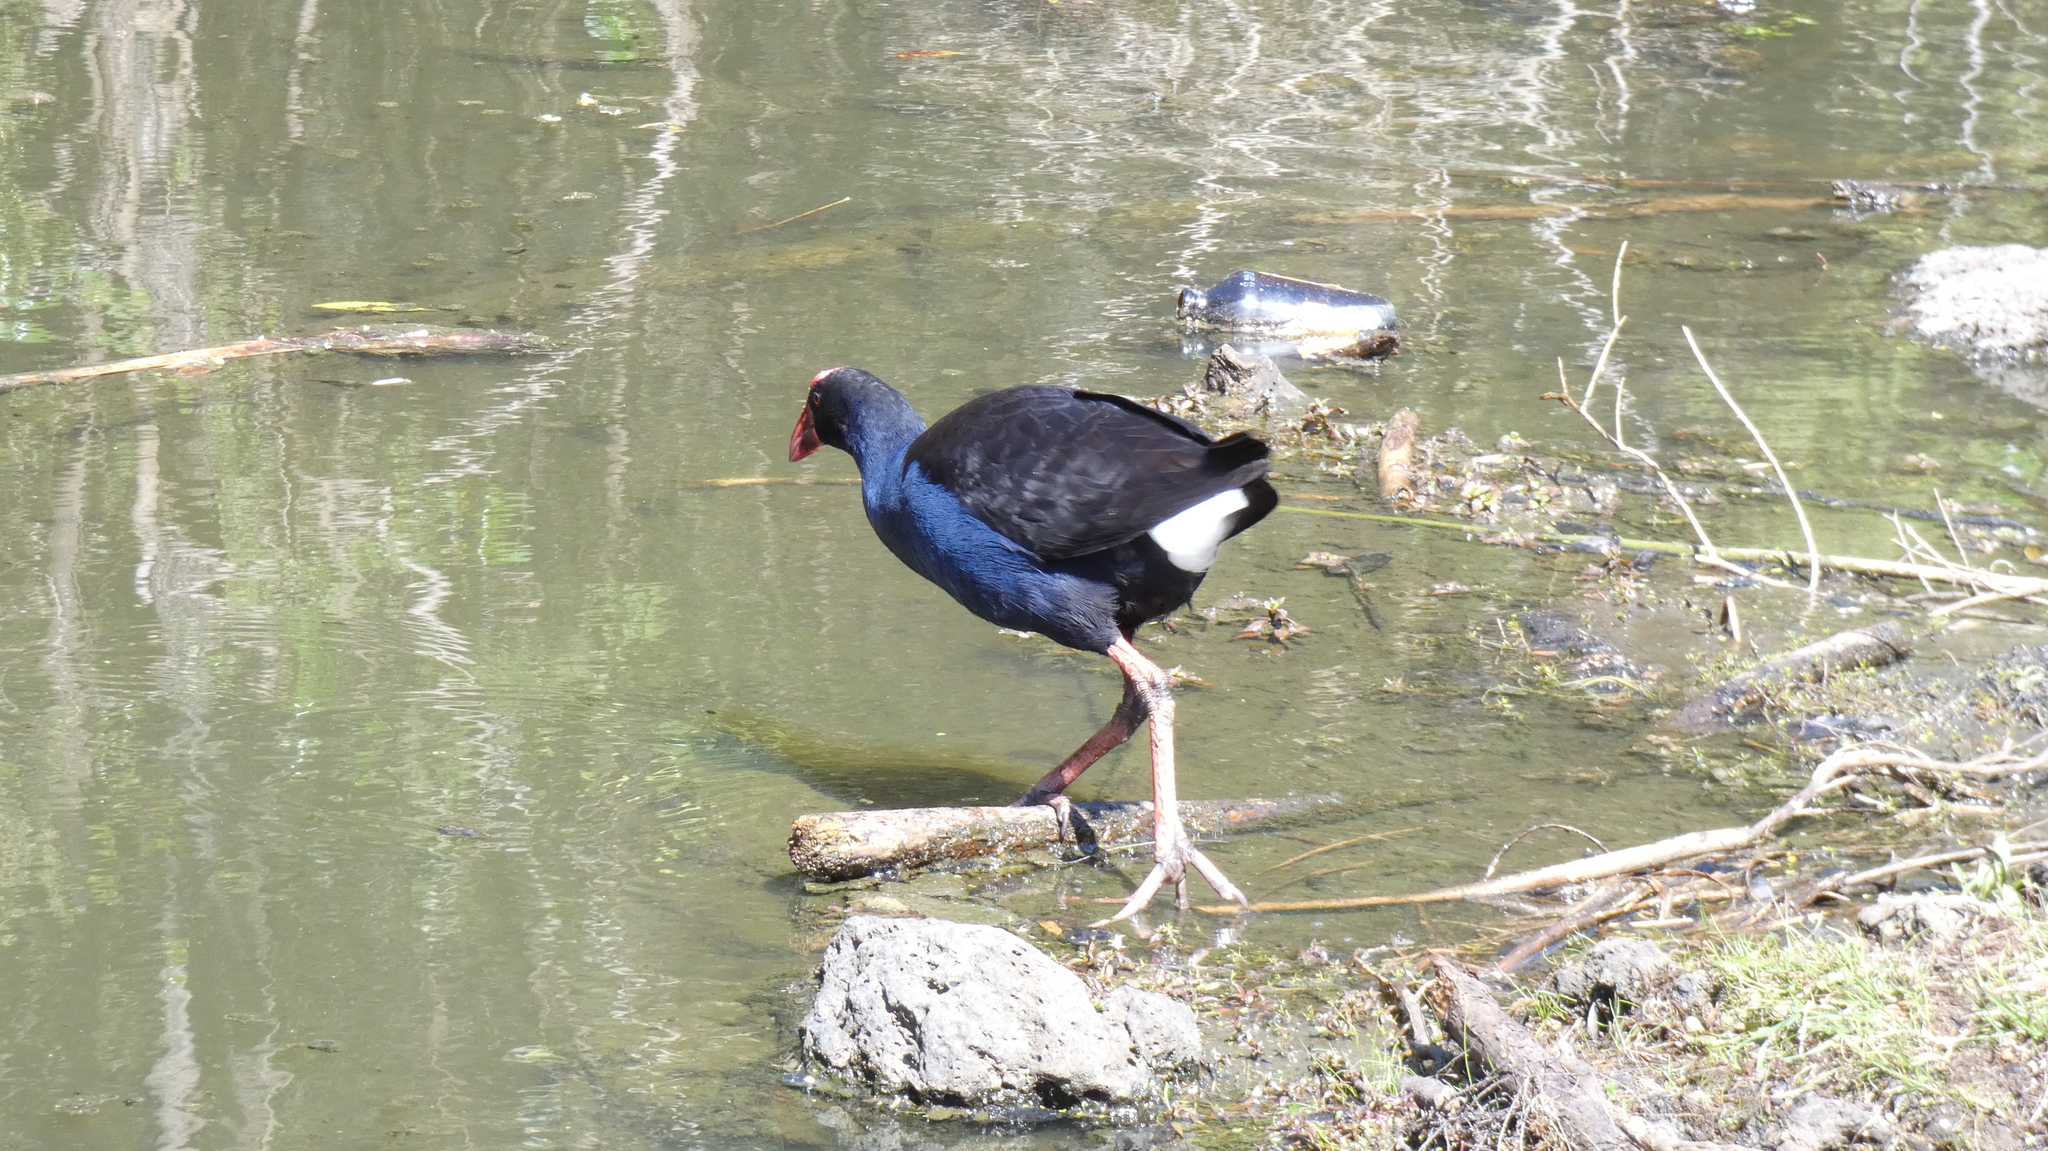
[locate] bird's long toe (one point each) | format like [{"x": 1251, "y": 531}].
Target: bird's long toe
[
  {"x": 1217, "y": 879},
  {"x": 1173, "y": 861},
  {"x": 1139, "y": 898}
]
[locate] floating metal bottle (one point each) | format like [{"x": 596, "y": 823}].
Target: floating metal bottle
[{"x": 1289, "y": 317}]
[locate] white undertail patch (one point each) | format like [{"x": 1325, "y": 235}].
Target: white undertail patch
[{"x": 1190, "y": 538}]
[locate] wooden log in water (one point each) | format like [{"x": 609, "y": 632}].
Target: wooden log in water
[
  {"x": 1609, "y": 210},
  {"x": 410, "y": 340},
  {"x": 838, "y": 845}
]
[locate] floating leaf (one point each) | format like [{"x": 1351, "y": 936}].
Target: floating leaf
[
  {"x": 367, "y": 306},
  {"x": 925, "y": 53}
]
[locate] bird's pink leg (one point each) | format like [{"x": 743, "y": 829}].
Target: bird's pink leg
[
  {"x": 1051, "y": 790},
  {"x": 1172, "y": 851},
  {"x": 1129, "y": 714}
]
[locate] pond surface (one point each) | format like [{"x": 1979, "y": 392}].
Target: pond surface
[{"x": 408, "y": 764}]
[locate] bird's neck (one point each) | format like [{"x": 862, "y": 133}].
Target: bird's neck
[{"x": 877, "y": 436}]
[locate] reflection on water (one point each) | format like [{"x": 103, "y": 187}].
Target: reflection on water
[{"x": 415, "y": 761}]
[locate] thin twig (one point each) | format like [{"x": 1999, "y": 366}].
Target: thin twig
[
  {"x": 1564, "y": 396},
  {"x": 1805, "y": 528},
  {"x": 1316, "y": 852},
  {"x": 1583, "y": 405},
  {"x": 1509, "y": 845},
  {"x": 1614, "y": 288},
  {"x": 1903, "y": 866},
  {"x": 795, "y": 218},
  {"x": 1746, "y": 573},
  {"x": 1342, "y": 843},
  {"x": 1948, "y": 522},
  {"x": 1611, "y": 901}
]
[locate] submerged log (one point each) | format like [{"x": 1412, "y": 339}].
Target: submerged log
[
  {"x": 411, "y": 340},
  {"x": 1612, "y": 210},
  {"x": 1397, "y": 453},
  {"x": 840, "y": 845},
  {"x": 1738, "y": 699}
]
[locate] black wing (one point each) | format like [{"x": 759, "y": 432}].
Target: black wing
[{"x": 1066, "y": 473}]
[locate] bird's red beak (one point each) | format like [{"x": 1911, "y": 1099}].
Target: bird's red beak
[{"x": 804, "y": 439}]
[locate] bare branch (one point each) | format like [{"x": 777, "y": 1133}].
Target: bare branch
[{"x": 1805, "y": 528}]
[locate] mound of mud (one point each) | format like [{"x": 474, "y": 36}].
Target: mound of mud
[{"x": 1989, "y": 303}]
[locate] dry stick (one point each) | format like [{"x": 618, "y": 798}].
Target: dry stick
[
  {"x": 1610, "y": 902},
  {"x": 1921, "y": 547},
  {"x": 1564, "y": 396},
  {"x": 1629, "y": 859},
  {"x": 1798, "y": 509},
  {"x": 1836, "y": 771},
  {"x": 1614, "y": 287},
  {"x": 1315, "y": 852},
  {"x": 1903, "y": 866},
  {"x": 1615, "y": 320},
  {"x": 1949, "y": 522},
  {"x": 1585, "y": 402},
  {"x": 1805, "y": 895},
  {"x": 793, "y": 219}
]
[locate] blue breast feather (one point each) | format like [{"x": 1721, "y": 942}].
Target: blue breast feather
[{"x": 928, "y": 529}]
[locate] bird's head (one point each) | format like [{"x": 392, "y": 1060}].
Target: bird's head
[{"x": 838, "y": 400}]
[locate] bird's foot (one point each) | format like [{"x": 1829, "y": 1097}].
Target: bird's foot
[
  {"x": 1174, "y": 859},
  {"x": 1062, "y": 811}
]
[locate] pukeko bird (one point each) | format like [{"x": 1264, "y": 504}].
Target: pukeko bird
[{"x": 1074, "y": 514}]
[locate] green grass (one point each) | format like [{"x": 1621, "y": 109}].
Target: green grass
[{"x": 1825, "y": 1012}]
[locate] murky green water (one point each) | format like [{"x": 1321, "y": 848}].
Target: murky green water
[{"x": 409, "y": 764}]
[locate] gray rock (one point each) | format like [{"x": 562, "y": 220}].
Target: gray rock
[
  {"x": 1430, "y": 1091},
  {"x": 970, "y": 1015},
  {"x": 1162, "y": 1029},
  {"x": 1895, "y": 917},
  {"x": 1818, "y": 1122},
  {"x": 1631, "y": 970}
]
